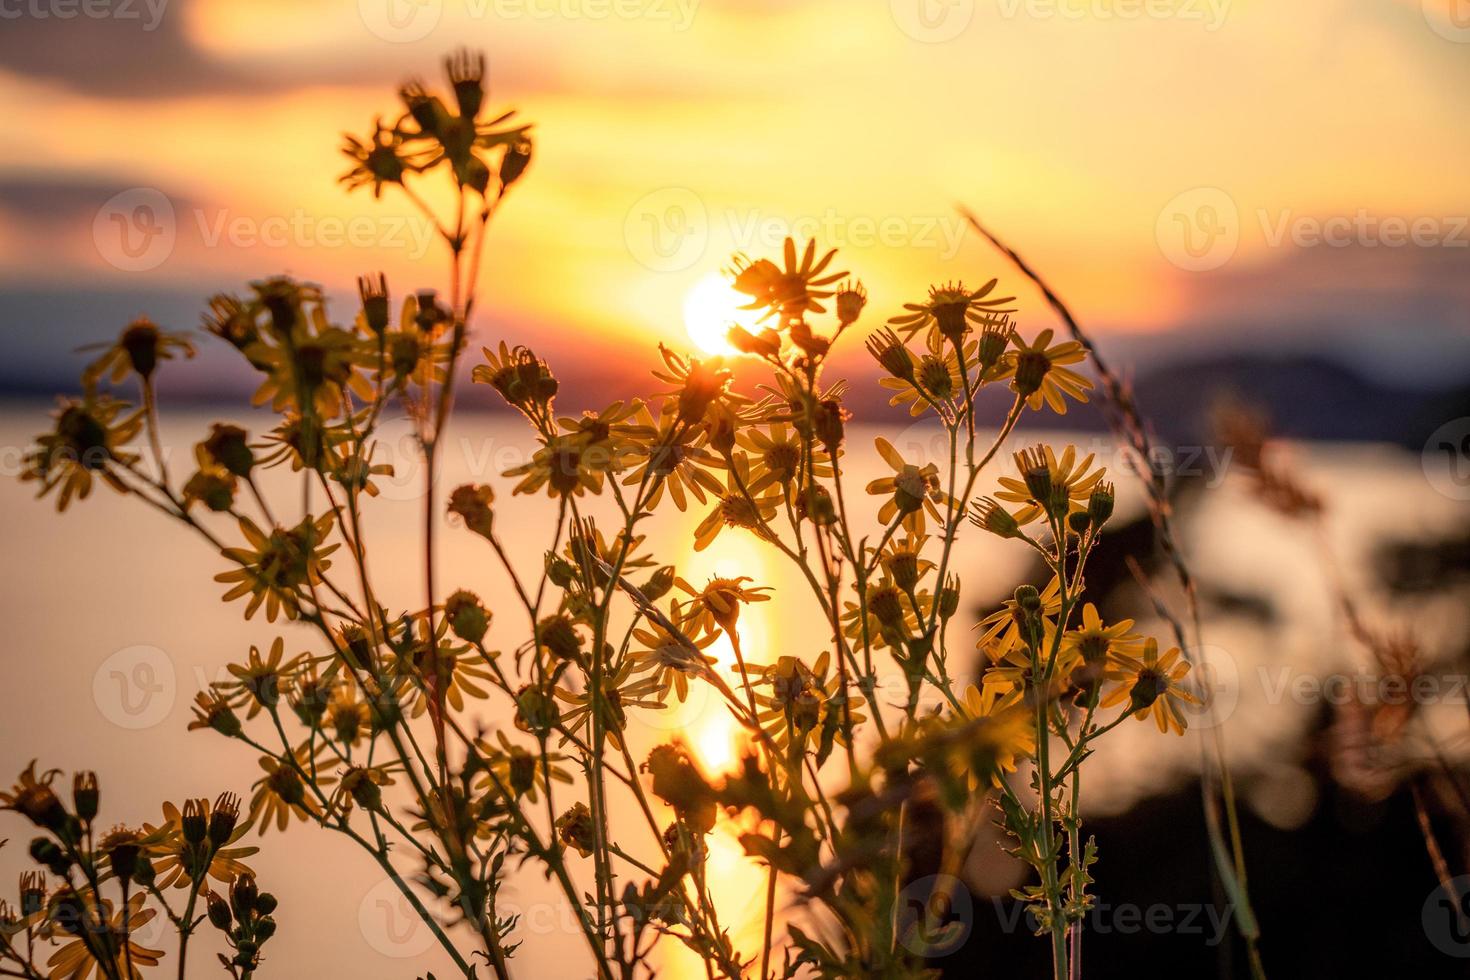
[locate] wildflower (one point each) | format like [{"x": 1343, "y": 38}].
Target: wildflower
[
  {"x": 679, "y": 783},
  {"x": 448, "y": 671},
  {"x": 521, "y": 378},
  {"x": 278, "y": 565},
  {"x": 467, "y": 616},
  {"x": 890, "y": 352},
  {"x": 1000, "y": 631},
  {"x": 363, "y": 786},
  {"x": 698, "y": 384},
  {"x": 985, "y": 513},
  {"x": 620, "y": 691},
  {"x": 996, "y": 735},
  {"x": 305, "y": 443},
  {"x": 1039, "y": 373},
  {"x": 904, "y": 561},
  {"x": 567, "y": 466},
  {"x": 73, "y": 911},
  {"x": 737, "y": 507},
  {"x": 471, "y": 503},
  {"x": 805, "y": 704},
  {"x": 575, "y": 830},
  {"x": 138, "y": 349},
  {"x": 912, "y": 487},
  {"x": 558, "y": 635},
  {"x": 212, "y": 710},
  {"x": 675, "y": 459},
  {"x": 377, "y": 160},
  {"x": 1060, "y": 484},
  {"x": 851, "y": 298},
  {"x": 85, "y": 795},
  {"x": 520, "y": 770},
  {"x": 1014, "y": 671},
  {"x": 1151, "y": 685},
  {"x": 1100, "y": 504},
  {"x": 259, "y": 682},
  {"x": 281, "y": 794},
  {"x": 790, "y": 290},
  {"x": 33, "y": 797},
  {"x": 670, "y": 656},
  {"x": 777, "y": 457},
  {"x": 347, "y": 716},
  {"x": 1097, "y": 644},
  {"x": 719, "y": 602},
  {"x": 87, "y": 440},
  {"x": 949, "y": 311},
  {"x": 174, "y": 845}
]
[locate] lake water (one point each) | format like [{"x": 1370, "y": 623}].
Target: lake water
[{"x": 112, "y": 622}]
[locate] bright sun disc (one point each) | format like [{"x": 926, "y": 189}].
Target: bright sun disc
[{"x": 711, "y": 306}]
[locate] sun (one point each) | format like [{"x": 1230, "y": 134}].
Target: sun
[{"x": 710, "y": 307}]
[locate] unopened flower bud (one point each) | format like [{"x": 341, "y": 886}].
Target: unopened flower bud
[
  {"x": 467, "y": 617},
  {"x": 219, "y": 911},
  {"x": 1100, "y": 504},
  {"x": 85, "y": 795},
  {"x": 222, "y": 819}
]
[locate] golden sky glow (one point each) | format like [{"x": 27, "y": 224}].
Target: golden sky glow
[{"x": 671, "y": 133}]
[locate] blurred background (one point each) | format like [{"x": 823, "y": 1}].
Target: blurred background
[{"x": 1246, "y": 203}]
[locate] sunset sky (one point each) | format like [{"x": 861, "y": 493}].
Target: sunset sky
[{"x": 1165, "y": 163}]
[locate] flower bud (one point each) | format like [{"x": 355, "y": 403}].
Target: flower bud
[
  {"x": 574, "y": 829},
  {"x": 222, "y": 819},
  {"x": 219, "y": 911},
  {"x": 229, "y": 446},
  {"x": 144, "y": 873},
  {"x": 828, "y": 424},
  {"x": 850, "y": 300},
  {"x": 890, "y": 352},
  {"x": 536, "y": 711},
  {"x": 123, "y": 857},
  {"x": 1036, "y": 473},
  {"x": 993, "y": 340},
  {"x": 992, "y": 517},
  {"x": 472, "y": 504},
  {"x": 949, "y": 597},
  {"x": 467, "y": 617},
  {"x": 935, "y": 376},
  {"x": 243, "y": 893},
  {"x": 84, "y": 795},
  {"x": 517, "y": 159},
  {"x": 374, "y": 295},
  {"x": 193, "y": 822},
  {"x": 45, "y": 851},
  {"x": 1100, "y": 504},
  {"x": 558, "y": 635},
  {"x": 659, "y": 583}
]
